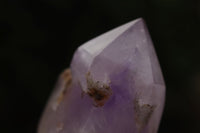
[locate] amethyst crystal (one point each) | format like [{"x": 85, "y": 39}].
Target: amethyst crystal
[{"x": 114, "y": 85}]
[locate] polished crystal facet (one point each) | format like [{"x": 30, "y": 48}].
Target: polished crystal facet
[{"x": 114, "y": 85}]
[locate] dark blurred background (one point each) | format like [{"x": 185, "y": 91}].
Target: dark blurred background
[{"x": 38, "y": 39}]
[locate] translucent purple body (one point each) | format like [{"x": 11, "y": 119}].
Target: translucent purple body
[{"x": 114, "y": 85}]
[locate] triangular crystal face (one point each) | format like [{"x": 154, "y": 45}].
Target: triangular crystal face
[
  {"x": 96, "y": 45},
  {"x": 115, "y": 86}
]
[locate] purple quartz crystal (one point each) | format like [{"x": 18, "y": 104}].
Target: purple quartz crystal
[{"x": 114, "y": 85}]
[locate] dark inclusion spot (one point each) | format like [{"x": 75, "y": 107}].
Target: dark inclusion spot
[
  {"x": 98, "y": 91},
  {"x": 143, "y": 113}
]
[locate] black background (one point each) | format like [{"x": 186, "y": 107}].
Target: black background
[{"x": 38, "y": 39}]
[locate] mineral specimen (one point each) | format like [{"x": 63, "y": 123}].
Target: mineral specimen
[{"x": 114, "y": 85}]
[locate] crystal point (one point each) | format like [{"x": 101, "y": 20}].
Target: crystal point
[{"x": 114, "y": 85}]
